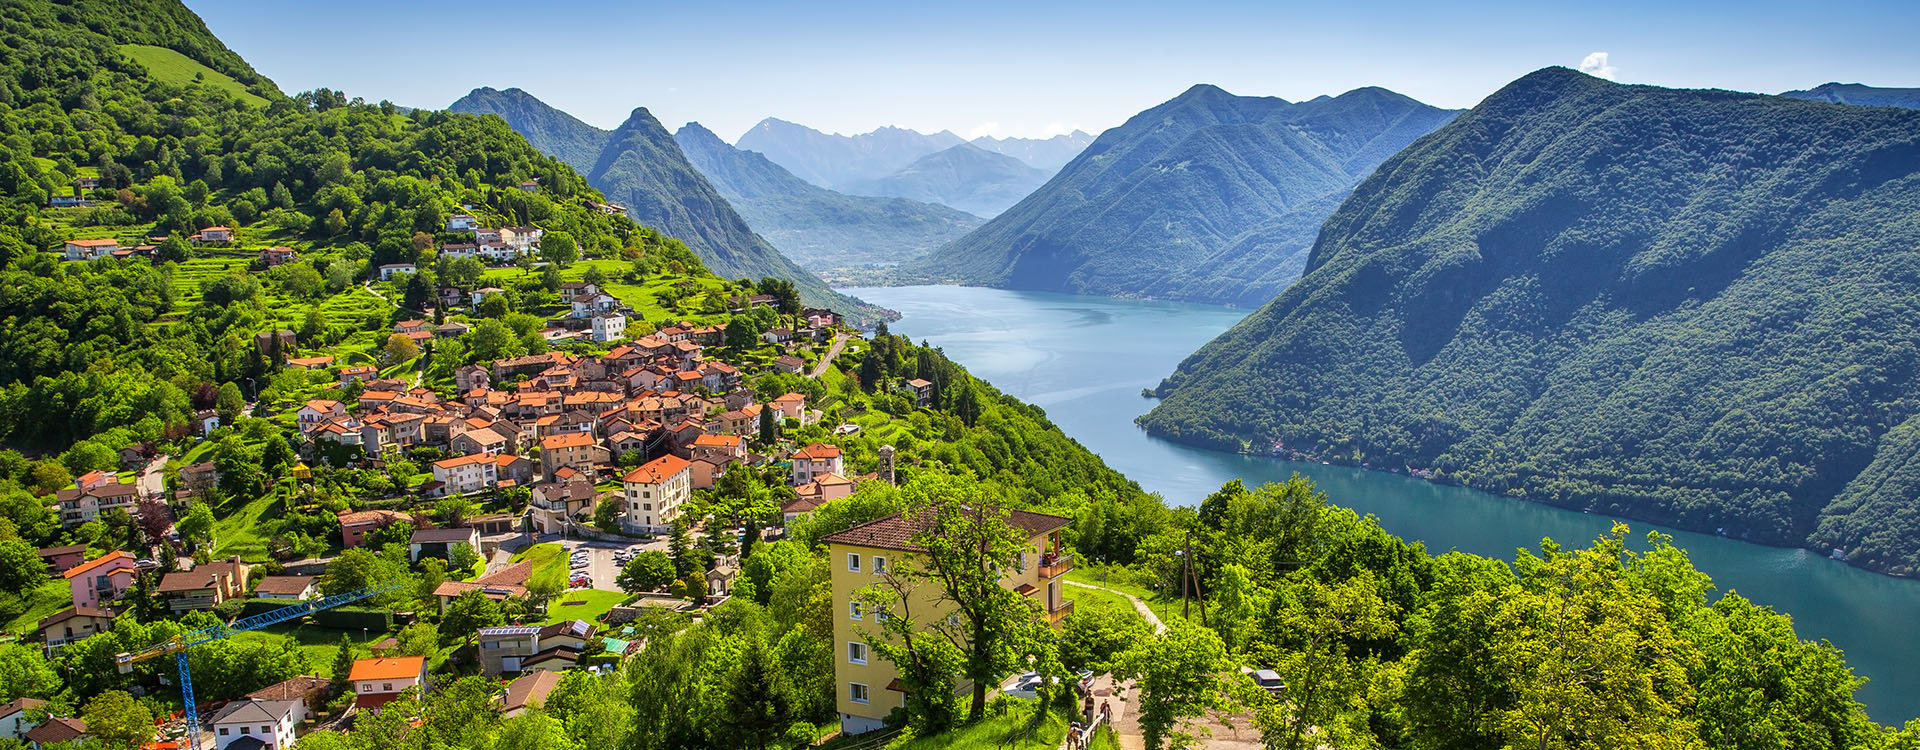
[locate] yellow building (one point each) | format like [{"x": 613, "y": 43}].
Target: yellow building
[{"x": 868, "y": 686}]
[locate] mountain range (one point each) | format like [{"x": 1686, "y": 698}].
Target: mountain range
[
  {"x": 1208, "y": 197},
  {"x": 983, "y": 176},
  {"x": 816, "y": 227},
  {"x": 639, "y": 165},
  {"x": 967, "y": 177},
  {"x": 1696, "y": 307},
  {"x": 1854, "y": 93}
]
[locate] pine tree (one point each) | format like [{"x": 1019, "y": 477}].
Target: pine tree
[{"x": 342, "y": 666}]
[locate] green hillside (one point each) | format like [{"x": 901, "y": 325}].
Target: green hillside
[
  {"x": 1209, "y": 197},
  {"x": 176, "y": 69},
  {"x": 1698, "y": 307}
]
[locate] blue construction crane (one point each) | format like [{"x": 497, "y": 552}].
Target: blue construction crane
[{"x": 179, "y": 644}]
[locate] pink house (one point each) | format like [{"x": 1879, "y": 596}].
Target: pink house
[{"x": 101, "y": 580}]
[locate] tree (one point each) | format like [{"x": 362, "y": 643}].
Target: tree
[
  {"x": 559, "y": 248},
  {"x": 647, "y": 571},
  {"x": 26, "y": 673},
  {"x": 343, "y": 658},
  {"x": 492, "y": 340},
  {"x": 22, "y": 569},
  {"x": 680, "y": 550},
  {"x": 769, "y": 431},
  {"x": 418, "y": 639},
  {"x": 304, "y": 282},
  {"x": 229, "y": 403},
  {"x": 756, "y": 704},
  {"x": 1095, "y": 634},
  {"x": 926, "y": 660},
  {"x": 197, "y": 525},
  {"x": 462, "y": 557},
  {"x": 1176, "y": 673},
  {"x": 173, "y": 250},
  {"x": 117, "y": 719},
  {"x": 697, "y": 587},
  {"x": 606, "y": 516},
  {"x": 966, "y": 541},
  {"x": 313, "y": 327},
  {"x": 467, "y": 614},
  {"x": 1317, "y": 623},
  {"x": 596, "y": 277}
]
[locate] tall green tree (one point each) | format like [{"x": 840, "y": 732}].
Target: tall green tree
[{"x": 1178, "y": 676}]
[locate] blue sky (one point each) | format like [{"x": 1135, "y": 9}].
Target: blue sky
[{"x": 1030, "y": 68}]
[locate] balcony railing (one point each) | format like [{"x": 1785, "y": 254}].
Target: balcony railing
[
  {"x": 1055, "y": 566},
  {"x": 1059, "y": 611}
]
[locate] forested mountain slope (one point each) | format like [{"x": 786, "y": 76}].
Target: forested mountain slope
[
  {"x": 1699, "y": 307},
  {"x": 1209, "y": 197},
  {"x": 639, "y": 166},
  {"x": 816, "y": 227}
]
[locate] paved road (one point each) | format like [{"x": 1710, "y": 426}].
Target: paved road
[
  {"x": 839, "y": 343},
  {"x": 153, "y": 476}
]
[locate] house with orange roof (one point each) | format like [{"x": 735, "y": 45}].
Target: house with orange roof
[
  {"x": 462, "y": 475},
  {"x": 815, "y": 460},
  {"x": 791, "y": 406},
  {"x": 723, "y": 448},
  {"x": 654, "y": 493},
  {"x": 573, "y": 450},
  {"x": 89, "y": 249},
  {"x": 319, "y": 410},
  {"x": 376, "y": 682}
]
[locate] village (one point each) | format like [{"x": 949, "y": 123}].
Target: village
[{"x": 588, "y": 456}]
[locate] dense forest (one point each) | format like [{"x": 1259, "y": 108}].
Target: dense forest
[
  {"x": 1696, "y": 307},
  {"x": 1208, "y": 197}
]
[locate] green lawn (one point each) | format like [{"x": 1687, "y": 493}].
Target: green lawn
[
  {"x": 49, "y": 597},
  {"x": 237, "y": 530},
  {"x": 1013, "y": 730},
  {"x": 1167, "y": 607},
  {"x": 582, "y": 604},
  {"x": 179, "y": 70},
  {"x": 318, "y": 644},
  {"x": 544, "y": 556}
]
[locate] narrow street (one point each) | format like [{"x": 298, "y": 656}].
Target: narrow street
[{"x": 839, "y": 343}]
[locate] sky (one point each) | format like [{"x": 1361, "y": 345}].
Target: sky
[{"x": 1033, "y": 69}]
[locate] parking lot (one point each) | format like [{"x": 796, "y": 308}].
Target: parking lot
[{"x": 599, "y": 559}]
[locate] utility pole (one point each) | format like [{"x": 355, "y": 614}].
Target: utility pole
[{"x": 1187, "y": 578}]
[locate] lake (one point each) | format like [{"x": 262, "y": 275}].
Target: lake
[{"x": 1085, "y": 360}]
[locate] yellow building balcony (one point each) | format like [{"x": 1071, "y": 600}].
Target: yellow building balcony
[
  {"x": 1059, "y": 612},
  {"x": 1056, "y": 566}
]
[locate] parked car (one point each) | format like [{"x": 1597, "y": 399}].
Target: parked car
[
  {"x": 1268, "y": 679},
  {"x": 1025, "y": 686}
]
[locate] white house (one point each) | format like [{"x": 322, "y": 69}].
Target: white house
[
  {"x": 255, "y": 724},
  {"x": 466, "y": 474},
  {"x": 462, "y": 223},
  {"x": 523, "y": 239},
  {"x": 655, "y": 491},
  {"x": 89, "y": 249},
  {"x": 387, "y": 271},
  {"x": 609, "y": 327},
  {"x": 319, "y": 410},
  {"x": 589, "y": 305},
  {"x": 13, "y": 717},
  {"x": 480, "y": 295}
]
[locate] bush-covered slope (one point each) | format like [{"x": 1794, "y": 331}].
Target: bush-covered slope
[
  {"x": 1209, "y": 197},
  {"x": 1699, "y": 307},
  {"x": 639, "y": 166},
  {"x": 817, "y": 227}
]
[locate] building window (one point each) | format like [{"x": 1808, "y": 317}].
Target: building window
[
  {"x": 856, "y": 652},
  {"x": 243, "y": 730},
  {"x": 879, "y": 565},
  {"x": 223, "y": 731},
  {"x": 853, "y": 562},
  {"x": 853, "y": 610},
  {"x": 646, "y": 506},
  {"x": 881, "y": 616},
  {"x": 386, "y": 687},
  {"x": 857, "y": 692}
]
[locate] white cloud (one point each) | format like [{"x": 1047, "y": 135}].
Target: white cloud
[
  {"x": 984, "y": 129},
  {"x": 1596, "y": 64},
  {"x": 1058, "y": 128}
]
